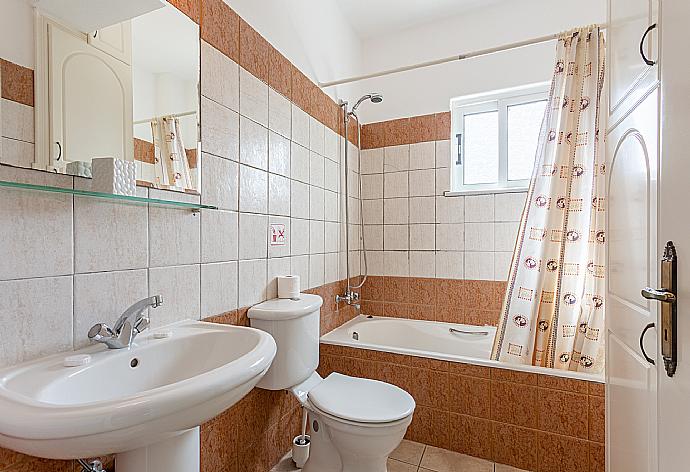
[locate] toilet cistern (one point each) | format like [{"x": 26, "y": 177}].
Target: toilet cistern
[{"x": 132, "y": 322}]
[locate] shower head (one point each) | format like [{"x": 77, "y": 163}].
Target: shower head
[{"x": 374, "y": 97}]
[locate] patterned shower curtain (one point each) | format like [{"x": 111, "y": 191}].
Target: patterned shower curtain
[
  {"x": 553, "y": 313},
  {"x": 171, "y": 163}
]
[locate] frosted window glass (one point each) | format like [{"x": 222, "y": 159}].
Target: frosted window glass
[
  {"x": 481, "y": 148},
  {"x": 524, "y": 124}
]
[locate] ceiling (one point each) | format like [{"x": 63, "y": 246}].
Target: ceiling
[{"x": 371, "y": 18}]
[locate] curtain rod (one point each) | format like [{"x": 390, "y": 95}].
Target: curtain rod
[
  {"x": 175, "y": 115},
  {"x": 457, "y": 57}
]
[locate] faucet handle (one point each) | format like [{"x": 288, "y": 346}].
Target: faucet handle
[
  {"x": 142, "y": 324},
  {"x": 157, "y": 301},
  {"x": 101, "y": 332}
]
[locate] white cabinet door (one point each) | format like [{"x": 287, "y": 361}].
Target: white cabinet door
[
  {"x": 115, "y": 40},
  {"x": 90, "y": 101},
  {"x": 628, "y": 73},
  {"x": 632, "y": 161}
]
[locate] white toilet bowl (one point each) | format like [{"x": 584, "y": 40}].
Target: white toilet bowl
[{"x": 355, "y": 423}]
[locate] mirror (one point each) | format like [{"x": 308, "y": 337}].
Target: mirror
[{"x": 129, "y": 92}]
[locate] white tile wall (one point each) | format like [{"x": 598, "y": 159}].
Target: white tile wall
[
  {"x": 70, "y": 262},
  {"x": 468, "y": 237}
]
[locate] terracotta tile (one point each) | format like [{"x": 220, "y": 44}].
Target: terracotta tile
[
  {"x": 562, "y": 413},
  {"x": 471, "y": 370},
  {"x": 471, "y": 436},
  {"x": 397, "y": 310},
  {"x": 253, "y": 457},
  {"x": 514, "y": 403},
  {"x": 242, "y": 318},
  {"x": 31, "y": 464},
  {"x": 562, "y": 454},
  {"x": 300, "y": 89},
  {"x": 597, "y": 457},
  {"x": 481, "y": 317},
  {"x": 17, "y": 82},
  {"x": 487, "y": 294},
  {"x": 430, "y": 426},
  {"x": 230, "y": 318},
  {"x": 470, "y": 396},
  {"x": 425, "y": 363},
  {"x": 374, "y": 135},
  {"x": 563, "y": 383},
  {"x": 220, "y": 27},
  {"x": 422, "y": 128},
  {"x": 373, "y": 308},
  {"x": 191, "y": 8},
  {"x": 430, "y": 388},
  {"x": 423, "y": 312},
  {"x": 597, "y": 419},
  {"x": 596, "y": 388},
  {"x": 280, "y": 73},
  {"x": 450, "y": 314},
  {"x": 397, "y": 289},
  {"x": 254, "y": 51},
  {"x": 515, "y": 446},
  {"x": 422, "y": 291},
  {"x": 442, "y": 126},
  {"x": 330, "y": 112},
  {"x": 218, "y": 444},
  {"x": 509, "y": 375},
  {"x": 472, "y": 293},
  {"x": 450, "y": 292},
  {"x": 374, "y": 288},
  {"x": 9, "y": 457},
  {"x": 397, "y": 132},
  {"x": 383, "y": 356}
]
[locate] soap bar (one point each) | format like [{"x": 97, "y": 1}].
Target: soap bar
[{"x": 76, "y": 360}]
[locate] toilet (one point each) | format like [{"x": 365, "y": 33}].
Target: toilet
[{"x": 355, "y": 423}]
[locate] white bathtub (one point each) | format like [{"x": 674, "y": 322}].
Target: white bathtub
[{"x": 433, "y": 339}]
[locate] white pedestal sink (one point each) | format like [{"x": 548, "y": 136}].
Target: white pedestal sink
[{"x": 144, "y": 403}]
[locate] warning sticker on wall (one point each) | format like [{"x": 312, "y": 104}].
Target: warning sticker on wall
[{"x": 278, "y": 237}]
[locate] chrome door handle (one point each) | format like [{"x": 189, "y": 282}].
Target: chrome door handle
[
  {"x": 662, "y": 295},
  {"x": 473, "y": 333}
]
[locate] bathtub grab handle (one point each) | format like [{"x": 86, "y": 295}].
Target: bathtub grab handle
[{"x": 473, "y": 333}]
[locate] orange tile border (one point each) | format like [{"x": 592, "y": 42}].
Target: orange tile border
[
  {"x": 17, "y": 83},
  {"x": 254, "y": 52},
  {"x": 191, "y": 8},
  {"x": 220, "y": 27}
]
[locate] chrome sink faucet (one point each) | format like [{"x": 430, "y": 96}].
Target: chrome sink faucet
[{"x": 128, "y": 325}]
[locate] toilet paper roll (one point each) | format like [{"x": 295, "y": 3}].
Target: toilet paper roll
[{"x": 288, "y": 286}]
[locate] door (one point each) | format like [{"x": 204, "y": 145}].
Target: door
[
  {"x": 115, "y": 40},
  {"x": 90, "y": 101},
  {"x": 632, "y": 160},
  {"x": 628, "y": 75}
]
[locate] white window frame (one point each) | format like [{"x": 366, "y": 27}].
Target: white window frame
[{"x": 498, "y": 101}]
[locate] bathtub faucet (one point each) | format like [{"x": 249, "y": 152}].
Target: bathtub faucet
[{"x": 350, "y": 297}]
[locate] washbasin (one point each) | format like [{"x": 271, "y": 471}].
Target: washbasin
[{"x": 142, "y": 401}]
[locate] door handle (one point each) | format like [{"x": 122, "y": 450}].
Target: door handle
[
  {"x": 644, "y": 331},
  {"x": 647, "y": 61},
  {"x": 667, "y": 295},
  {"x": 662, "y": 295}
]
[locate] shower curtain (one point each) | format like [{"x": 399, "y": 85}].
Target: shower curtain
[
  {"x": 553, "y": 312},
  {"x": 171, "y": 163}
]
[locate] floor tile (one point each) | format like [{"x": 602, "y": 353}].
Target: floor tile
[
  {"x": 441, "y": 460},
  {"x": 409, "y": 451},
  {"x": 397, "y": 466},
  {"x": 285, "y": 465}
]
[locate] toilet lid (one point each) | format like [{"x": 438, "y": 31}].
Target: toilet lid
[{"x": 361, "y": 400}]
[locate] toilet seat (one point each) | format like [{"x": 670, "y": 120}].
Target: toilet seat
[{"x": 361, "y": 400}]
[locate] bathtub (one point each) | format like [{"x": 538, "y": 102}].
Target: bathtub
[{"x": 467, "y": 344}]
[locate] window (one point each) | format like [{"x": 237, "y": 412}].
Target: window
[{"x": 495, "y": 138}]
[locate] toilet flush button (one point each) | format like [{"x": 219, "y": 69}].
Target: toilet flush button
[{"x": 76, "y": 360}]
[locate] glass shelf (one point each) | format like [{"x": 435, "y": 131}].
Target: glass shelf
[{"x": 108, "y": 196}]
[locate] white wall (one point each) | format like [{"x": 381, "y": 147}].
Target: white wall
[
  {"x": 429, "y": 90},
  {"x": 312, "y": 34},
  {"x": 17, "y": 32}
]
